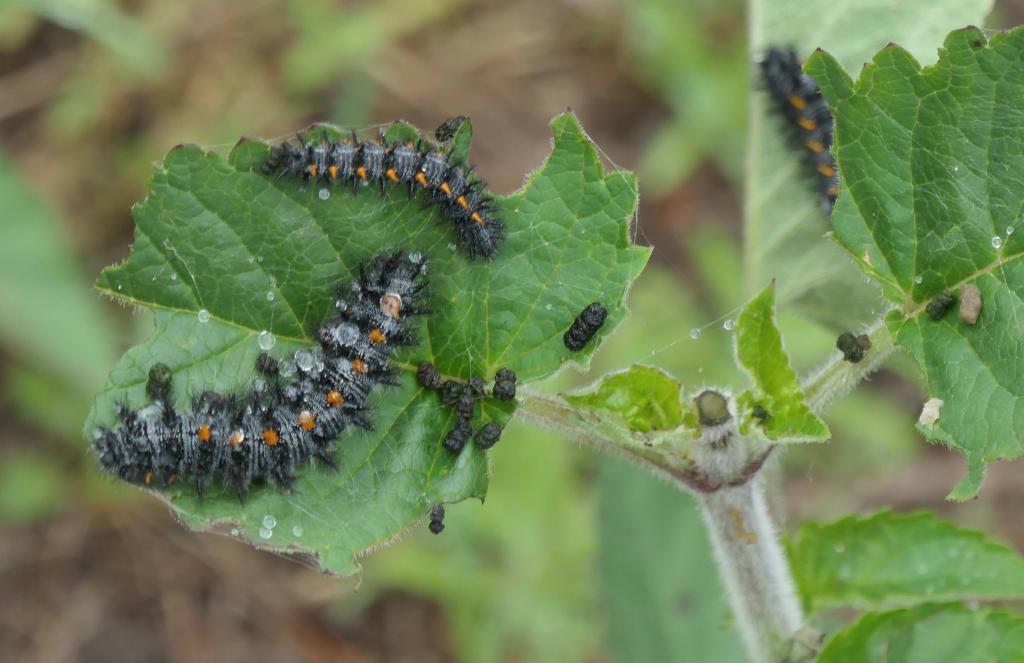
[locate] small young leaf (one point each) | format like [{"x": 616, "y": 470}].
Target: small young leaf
[
  {"x": 931, "y": 162},
  {"x": 224, "y": 253},
  {"x": 776, "y": 389},
  {"x": 890, "y": 559},
  {"x": 646, "y": 398},
  {"x": 947, "y": 633}
]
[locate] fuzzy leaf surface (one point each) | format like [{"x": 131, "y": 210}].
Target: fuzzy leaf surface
[
  {"x": 948, "y": 633},
  {"x": 889, "y": 560},
  {"x": 932, "y": 162},
  {"x": 259, "y": 253}
]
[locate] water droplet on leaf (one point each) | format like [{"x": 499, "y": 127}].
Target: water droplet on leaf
[{"x": 266, "y": 340}]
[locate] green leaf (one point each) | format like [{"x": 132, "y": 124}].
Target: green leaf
[
  {"x": 947, "y": 633},
  {"x": 784, "y": 226},
  {"x": 663, "y": 598},
  {"x": 931, "y": 162},
  {"x": 47, "y": 313},
  {"x": 776, "y": 389},
  {"x": 215, "y": 235},
  {"x": 890, "y": 559},
  {"x": 645, "y": 398}
]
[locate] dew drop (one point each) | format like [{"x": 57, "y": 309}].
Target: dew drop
[
  {"x": 259, "y": 258},
  {"x": 203, "y": 315},
  {"x": 1009, "y": 230},
  {"x": 272, "y": 281},
  {"x": 266, "y": 340},
  {"x": 729, "y": 325},
  {"x": 304, "y": 359},
  {"x": 318, "y": 368},
  {"x": 840, "y": 548},
  {"x": 997, "y": 242},
  {"x": 416, "y": 257},
  {"x": 174, "y": 277},
  {"x": 266, "y": 533},
  {"x": 451, "y": 247},
  {"x": 695, "y": 333},
  {"x": 270, "y": 295},
  {"x": 346, "y": 334},
  {"x": 269, "y": 521},
  {"x": 547, "y": 307},
  {"x": 286, "y": 369},
  {"x": 324, "y": 194},
  {"x": 119, "y": 287},
  {"x": 297, "y": 530},
  {"x": 918, "y": 279}
]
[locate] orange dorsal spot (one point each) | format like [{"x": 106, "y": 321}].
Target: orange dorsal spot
[
  {"x": 149, "y": 478},
  {"x": 203, "y": 433},
  {"x": 796, "y": 102},
  {"x": 422, "y": 179},
  {"x": 392, "y": 175},
  {"x": 807, "y": 123},
  {"x": 359, "y": 366},
  {"x": 361, "y": 172},
  {"x": 377, "y": 336},
  {"x": 307, "y": 420},
  {"x": 476, "y": 217},
  {"x": 815, "y": 146},
  {"x": 447, "y": 189},
  {"x": 313, "y": 170},
  {"x": 334, "y": 398},
  {"x": 270, "y": 437},
  {"x": 827, "y": 171},
  {"x": 333, "y": 170},
  {"x": 409, "y": 144},
  {"x": 236, "y": 438},
  {"x": 463, "y": 203}
]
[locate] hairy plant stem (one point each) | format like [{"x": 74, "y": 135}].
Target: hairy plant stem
[
  {"x": 722, "y": 470},
  {"x": 753, "y": 569}
]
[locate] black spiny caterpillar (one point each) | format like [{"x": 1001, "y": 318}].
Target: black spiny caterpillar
[
  {"x": 268, "y": 433},
  {"x": 797, "y": 98},
  {"x": 460, "y": 196}
]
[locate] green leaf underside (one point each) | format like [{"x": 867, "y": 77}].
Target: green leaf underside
[
  {"x": 663, "y": 598},
  {"x": 776, "y": 388},
  {"x": 217, "y": 235},
  {"x": 645, "y": 398},
  {"x": 932, "y": 163},
  {"x": 947, "y": 633},
  {"x": 888, "y": 560},
  {"x": 785, "y": 229}
]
